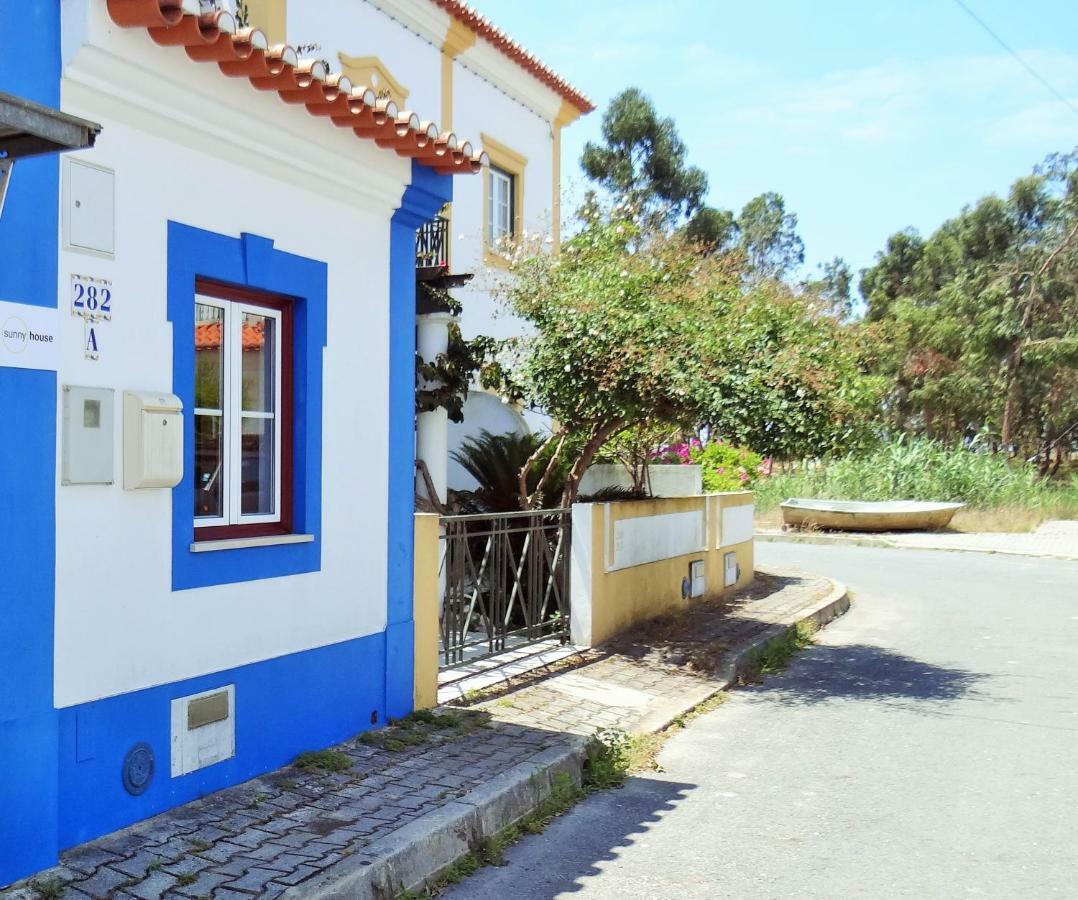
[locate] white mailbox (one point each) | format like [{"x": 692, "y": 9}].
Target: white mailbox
[{"x": 153, "y": 440}]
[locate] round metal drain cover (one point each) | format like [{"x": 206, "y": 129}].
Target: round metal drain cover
[{"x": 138, "y": 769}]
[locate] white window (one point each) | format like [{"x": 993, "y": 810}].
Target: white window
[
  {"x": 501, "y": 201},
  {"x": 238, "y": 425}
]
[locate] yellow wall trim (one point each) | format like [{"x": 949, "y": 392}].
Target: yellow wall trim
[
  {"x": 425, "y": 599},
  {"x": 458, "y": 39},
  {"x": 272, "y": 17},
  {"x": 372, "y": 72}
]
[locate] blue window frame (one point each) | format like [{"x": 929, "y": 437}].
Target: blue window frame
[{"x": 252, "y": 262}]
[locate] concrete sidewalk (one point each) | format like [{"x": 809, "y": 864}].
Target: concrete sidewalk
[
  {"x": 1052, "y": 540},
  {"x": 391, "y": 808}
]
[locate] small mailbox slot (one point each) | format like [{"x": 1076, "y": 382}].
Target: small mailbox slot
[{"x": 207, "y": 710}]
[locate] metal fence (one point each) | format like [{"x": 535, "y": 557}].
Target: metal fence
[{"x": 505, "y": 582}]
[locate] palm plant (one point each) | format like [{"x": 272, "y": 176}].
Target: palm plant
[{"x": 495, "y": 461}]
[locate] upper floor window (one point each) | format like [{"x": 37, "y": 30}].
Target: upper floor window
[
  {"x": 242, "y": 415},
  {"x": 501, "y": 200}
]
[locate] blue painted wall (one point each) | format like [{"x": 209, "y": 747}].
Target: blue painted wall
[
  {"x": 284, "y": 706},
  {"x": 426, "y": 195},
  {"x": 70, "y": 760},
  {"x": 29, "y": 67},
  {"x": 249, "y": 261}
]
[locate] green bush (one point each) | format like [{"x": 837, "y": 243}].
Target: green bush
[
  {"x": 725, "y": 467},
  {"x": 922, "y": 470}
]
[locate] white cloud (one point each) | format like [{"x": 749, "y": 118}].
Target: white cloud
[
  {"x": 899, "y": 101},
  {"x": 1048, "y": 122}
]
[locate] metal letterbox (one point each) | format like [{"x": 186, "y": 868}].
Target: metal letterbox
[{"x": 153, "y": 440}]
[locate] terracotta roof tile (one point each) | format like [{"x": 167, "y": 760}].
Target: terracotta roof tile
[
  {"x": 208, "y": 335},
  {"x": 490, "y": 32},
  {"x": 246, "y": 53}
]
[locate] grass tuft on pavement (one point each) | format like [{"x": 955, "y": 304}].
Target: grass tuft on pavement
[{"x": 323, "y": 761}]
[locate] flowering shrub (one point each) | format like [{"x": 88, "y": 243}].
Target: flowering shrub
[
  {"x": 679, "y": 454},
  {"x": 724, "y": 467}
]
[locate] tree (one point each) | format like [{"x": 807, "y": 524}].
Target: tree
[
  {"x": 768, "y": 236},
  {"x": 793, "y": 383},
  {"x": 634, "y": 329},
  {"x": 621, "y": 333},
  {"x": 642, "y": 161},
  {"x": 978, "y": 324},
  {"x": 832, "y": 290},
  {"x": 712, "y": 229},
  {"x": 892, "y": 275}
]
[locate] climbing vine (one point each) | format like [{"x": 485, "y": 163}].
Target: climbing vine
[{"x": 444, "y": 381}]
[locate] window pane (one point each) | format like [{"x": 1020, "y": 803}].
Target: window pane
[
  {"x": 209, "y": 361},
  {"x": 259, "y": 363},
  {"x": 500, "y": 211},
  {"x": 209, "y": 473},
  {"x": 257, "y": 467}
]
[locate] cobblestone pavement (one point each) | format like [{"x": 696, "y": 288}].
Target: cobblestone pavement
[{"x": 275, "y": 832}]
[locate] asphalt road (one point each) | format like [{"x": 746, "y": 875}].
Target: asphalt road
[{"x": 926, "y": 747}]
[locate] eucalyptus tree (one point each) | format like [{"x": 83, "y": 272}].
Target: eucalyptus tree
[{"x": 978, "y": 323}]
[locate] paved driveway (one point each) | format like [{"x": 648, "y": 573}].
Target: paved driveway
[{"x": 926, "y": 747}]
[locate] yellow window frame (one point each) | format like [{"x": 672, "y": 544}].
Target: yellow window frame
[{"x": 508, "y": 160}]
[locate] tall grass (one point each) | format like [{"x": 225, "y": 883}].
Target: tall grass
[{"x": 924, "y": 470}]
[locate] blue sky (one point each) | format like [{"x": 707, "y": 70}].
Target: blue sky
[{"x": 867, "y": 116}]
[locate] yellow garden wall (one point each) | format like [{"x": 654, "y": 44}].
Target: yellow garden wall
[
  {"x": 425, "y": 610},
  {"x": 626, "y": 570}
]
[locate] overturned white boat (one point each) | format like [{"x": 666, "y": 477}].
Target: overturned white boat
[{"x": 865, "y": 515}]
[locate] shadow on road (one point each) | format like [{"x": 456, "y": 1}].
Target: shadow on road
[
  {"x": 864, "y": 672},
  {"x": 602, "y": 827}
]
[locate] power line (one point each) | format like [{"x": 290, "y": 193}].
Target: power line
[{"x": 1021, "y": 62}]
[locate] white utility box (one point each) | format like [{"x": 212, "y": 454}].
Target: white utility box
[
  {"x": 697, "y": 578},
  {"x": 731, "y": 570},
  {"x": 203, "y": 729},
  {"x": 86, "y": 452},
  {"x": 153, "y": 440},
  {"x": 89, "y": 207}
]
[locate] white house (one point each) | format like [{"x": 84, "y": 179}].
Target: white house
[
  {"x": 442, "y": 55},
  {"x": 207, "y": 378}
]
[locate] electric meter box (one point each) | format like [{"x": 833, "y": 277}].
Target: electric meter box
[
  {"x": 86, "y": 448},
  {"x": 153, "y": 440}
]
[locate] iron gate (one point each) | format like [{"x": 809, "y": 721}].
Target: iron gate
[{"x": 505, "y": 581}]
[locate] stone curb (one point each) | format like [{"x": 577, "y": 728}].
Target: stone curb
[
  {"x": 425, "y": 847},
  {"x": 843, "y": 541},
  {"x": 833, "y": 605},
  {"x": 422, "y": 849}
]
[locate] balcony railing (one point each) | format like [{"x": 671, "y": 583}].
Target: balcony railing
[{"x": 432, "y": 249}]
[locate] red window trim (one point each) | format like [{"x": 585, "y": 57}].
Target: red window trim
[{"x": 285, "y": 306}]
